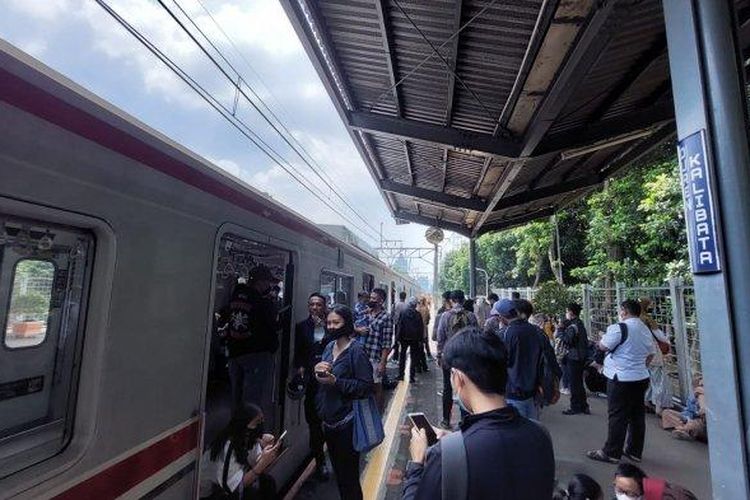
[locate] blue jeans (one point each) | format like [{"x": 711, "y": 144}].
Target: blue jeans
[{"x": 527, "y": 407}]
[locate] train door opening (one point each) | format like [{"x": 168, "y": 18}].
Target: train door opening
[
  {"x": 44, "y": 271},
  {"x": 250, "y": 335}
]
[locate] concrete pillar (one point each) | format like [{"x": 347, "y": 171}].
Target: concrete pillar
[{"x": 472, "y": 268}]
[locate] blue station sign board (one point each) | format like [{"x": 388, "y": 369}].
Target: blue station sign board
[{"x": 695, "y": 176}]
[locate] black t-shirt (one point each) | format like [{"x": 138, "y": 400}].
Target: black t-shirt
[{"x": 252, "y": 324}]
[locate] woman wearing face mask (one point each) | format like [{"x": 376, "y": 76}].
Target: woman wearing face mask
[
  {"x": 234, "y": 466},
  {"x": 344, "y": 374}
]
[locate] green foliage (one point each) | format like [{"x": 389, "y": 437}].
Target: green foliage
[
  {"x": 454, "y": 272},
  {"x": 552, "y": 298},
  {"x": 31, "y": 304},
  {"x": 631, "y": 231}
]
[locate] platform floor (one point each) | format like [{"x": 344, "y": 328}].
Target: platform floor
[{"x": 685, "y": 463}]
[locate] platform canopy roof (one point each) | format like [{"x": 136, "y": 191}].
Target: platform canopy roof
[{"x": 479, "y": 115}]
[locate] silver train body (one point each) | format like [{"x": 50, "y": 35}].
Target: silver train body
[{"x": 131, "y": 241}]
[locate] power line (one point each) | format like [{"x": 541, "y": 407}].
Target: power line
[
  {"x": 242, "y": 127},
  {"x": 252, "y": 103}
]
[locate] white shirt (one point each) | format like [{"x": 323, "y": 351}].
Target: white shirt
[
  {"x": 628, "y": 362},
  {"x": 212, "y": 471}
]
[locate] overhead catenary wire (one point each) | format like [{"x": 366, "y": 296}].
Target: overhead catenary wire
[
  {"x": 243, "y": 128},
  {"x": 240, "y": 90}
]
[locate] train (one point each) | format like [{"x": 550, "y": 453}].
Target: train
[{"x": 118, "y": 247}]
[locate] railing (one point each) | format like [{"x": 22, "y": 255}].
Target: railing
[{"x": 673, "y": 309}]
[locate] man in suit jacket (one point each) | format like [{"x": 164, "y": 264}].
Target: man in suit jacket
[{"x": 310, "y": 340}]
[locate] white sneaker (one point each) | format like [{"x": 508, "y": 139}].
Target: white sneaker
[{"x": 565, "y": 391}]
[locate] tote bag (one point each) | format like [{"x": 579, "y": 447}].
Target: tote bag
[{"x": 368, "y": 426}]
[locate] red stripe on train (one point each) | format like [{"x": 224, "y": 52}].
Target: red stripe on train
[{"x": 128, "y": 473}]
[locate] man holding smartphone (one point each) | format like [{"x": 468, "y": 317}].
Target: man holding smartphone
[{"x": 509, "y": 456}]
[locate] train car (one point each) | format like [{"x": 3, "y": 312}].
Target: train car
[{"x": 118, "y": 248}]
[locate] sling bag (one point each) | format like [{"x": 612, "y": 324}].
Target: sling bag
[{"x": 454, "y": 469}]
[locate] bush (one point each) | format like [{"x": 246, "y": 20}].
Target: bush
[{"x": 552, "y": 298}]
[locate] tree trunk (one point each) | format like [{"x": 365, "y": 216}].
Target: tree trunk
[
  {"x": 539, "y": 264},
  {"x": 553, "y": 264}
]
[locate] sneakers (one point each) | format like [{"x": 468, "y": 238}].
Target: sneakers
[
  {"x": 600, "y": 456},
  {"x": 571, "y": 411},
  {"x": 565, "y": 391}
]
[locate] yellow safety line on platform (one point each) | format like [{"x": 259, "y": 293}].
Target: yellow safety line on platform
[{"x": 373, "y": 476}]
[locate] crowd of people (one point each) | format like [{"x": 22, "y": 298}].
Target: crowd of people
[{"x": 501, "y": 364}]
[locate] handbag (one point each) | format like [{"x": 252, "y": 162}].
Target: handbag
[
  {"x": 368, "y": 426},
  {"x": 664, "y": 347}
]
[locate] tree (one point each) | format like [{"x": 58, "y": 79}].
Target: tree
[
  {"x": 454, "y": 272},
  {"x": 496, "y": 254}
]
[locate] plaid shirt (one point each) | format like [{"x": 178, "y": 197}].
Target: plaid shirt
[{"x": 380, "y": 336}]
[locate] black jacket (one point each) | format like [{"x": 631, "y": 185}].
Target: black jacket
[
  {"x": 354, "y": 380},
  {"x": 410, "y": 325},
  {"x": 307, "y": 352},
  {"x": 509, "y": 458},
  {"x": 575, "y": 338},
  {"x": 253, "y": 318},
  {"x": 524, "y": 354}
]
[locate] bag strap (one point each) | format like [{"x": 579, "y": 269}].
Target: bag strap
[
  {"x": 225, "y": 472},
  {"x": 454, "y": 469},
  {"x": 623, "y": 337}
]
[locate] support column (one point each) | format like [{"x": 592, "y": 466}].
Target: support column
[
  {"x": 435, "y": 285},
  {"x": 708, "y": 97},
  {"x": 472, "y": 268}
]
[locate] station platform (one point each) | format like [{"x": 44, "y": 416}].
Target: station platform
[{"x": 681, "y": 462}]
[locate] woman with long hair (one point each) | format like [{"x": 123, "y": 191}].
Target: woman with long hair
[
  {"x": 345, "y": 374},
  {"x": 234, "y": 467},
  {"x": 659, "y": 393}
]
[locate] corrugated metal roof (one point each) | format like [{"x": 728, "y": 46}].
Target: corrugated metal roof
[{"x": 448, "y": 76}]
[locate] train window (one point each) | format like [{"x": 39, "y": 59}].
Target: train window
[
  {"x": 30, "y": 301},
  {"x": 44, "y": 271},
  {"x": 368, "y": 282},
  {"x": 337, "y": 288}
]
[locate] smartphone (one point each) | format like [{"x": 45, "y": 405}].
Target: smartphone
[
  {"x": 421, "y": 422},
  {"x": 281, "y": 438},
  {"x": 320, "y": 374}
]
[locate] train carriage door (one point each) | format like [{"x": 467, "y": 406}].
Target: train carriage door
[
  {"x": 42, "y": 281},
  {"x": 252, "y": 317}
]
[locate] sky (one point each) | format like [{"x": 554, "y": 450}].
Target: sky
[{"x": 80, "y": 40}]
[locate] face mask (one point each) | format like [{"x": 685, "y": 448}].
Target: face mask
[
  {"x": 462, "y": 405},
  {"x": 623, "y": 496},
  {"x": 254, "y": 434},
  {"x": 373, "y": 304},
  {"x": 338, "y": 332}
]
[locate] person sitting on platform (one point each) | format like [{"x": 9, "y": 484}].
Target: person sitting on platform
[
  {"x": 690, "y": 424},
  {"x": 632, "y": 483},
  {"x": 580, "y": 487},
  {"x": 235, "y": 465}
]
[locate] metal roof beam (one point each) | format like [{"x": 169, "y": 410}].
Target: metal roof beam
[
  {"x": 546, "y": 192},
  {"x": 429, "y": 221},
  {"x": 657, "y": 50},
  {"x": 519, "y": 220},
  {"x": 589, "y": 45},
  {"x": 452, "y": 61},
  {"x": 449, "y": 200},
  {"x": 462, "y": 140},
  {"x": 593, "y": 133}
]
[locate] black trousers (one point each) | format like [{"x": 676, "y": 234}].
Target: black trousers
[
  {"x": 314, "y": 423},
  {"x": 414, "y": 349},
  {"x": 345, "y": 460},
  {"x": 627, "y": 418},
  {"x": 447, "y": 394},
  {"x": 426, "y": 342},
  {"x": 575, "y": 370},
  {"x": 395, "y": 356},
  {"x": 421, "y": 357}
]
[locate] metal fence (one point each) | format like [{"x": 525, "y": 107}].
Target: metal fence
[{"x": 673, "y": 309}]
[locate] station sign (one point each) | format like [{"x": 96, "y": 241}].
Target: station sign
[{"x": 697, "y": 194}]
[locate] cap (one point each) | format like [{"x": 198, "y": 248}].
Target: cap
[{"x": 505, "y": 308}]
